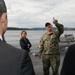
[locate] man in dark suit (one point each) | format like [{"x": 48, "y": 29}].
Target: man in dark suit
[
  {"x": 13, "y": 61},
  {"x": 68, "y": 67}
]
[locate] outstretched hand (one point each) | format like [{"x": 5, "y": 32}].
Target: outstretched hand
[{"x": 55, "y": 21}]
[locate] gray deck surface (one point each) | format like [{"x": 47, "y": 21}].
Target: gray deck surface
[{"x": 38, "y": 64}]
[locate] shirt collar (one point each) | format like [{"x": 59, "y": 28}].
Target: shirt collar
[
  {"x": 1, "y": 37},
  {"x": 49, "y": 33}
]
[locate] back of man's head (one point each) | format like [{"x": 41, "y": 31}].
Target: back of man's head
[{"x": 3, "y": 8}]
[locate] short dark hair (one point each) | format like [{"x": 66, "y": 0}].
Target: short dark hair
[
  {"x": 2, "y": 7},
  {"x": 47, "y": 24}
]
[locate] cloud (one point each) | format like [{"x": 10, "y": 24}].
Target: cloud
[{"x": 35, "y": 13}]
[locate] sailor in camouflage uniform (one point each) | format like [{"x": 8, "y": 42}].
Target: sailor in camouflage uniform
[{"x": 49, "y": 48}]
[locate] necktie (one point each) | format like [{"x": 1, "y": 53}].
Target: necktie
[{"x": 3, "y": 38}]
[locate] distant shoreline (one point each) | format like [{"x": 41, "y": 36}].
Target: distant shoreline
[{"x": 15, "y": 28}]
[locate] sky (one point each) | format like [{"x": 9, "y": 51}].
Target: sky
[{"x": 35, "y": 13}]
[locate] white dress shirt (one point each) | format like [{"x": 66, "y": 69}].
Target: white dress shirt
[{"x": 1, "y": 38}]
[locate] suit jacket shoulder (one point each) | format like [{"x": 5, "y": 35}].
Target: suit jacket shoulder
[
  {"x": 68, "y": 67},
  {"x": 14, "y": 61}
]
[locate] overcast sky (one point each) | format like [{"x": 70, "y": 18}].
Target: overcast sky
[{"x": 35, "y": 13}]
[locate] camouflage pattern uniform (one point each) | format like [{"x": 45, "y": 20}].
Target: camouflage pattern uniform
[{"x": 49, "y": 48}]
